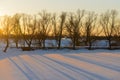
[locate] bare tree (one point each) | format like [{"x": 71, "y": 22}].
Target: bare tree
[
  {"x": 73, "y": 26},
  {"x": 28, "y": 31},
  {"x": 55, "y": 29},
  {"x": 44, "y": 26},
  {"x": 61, "y": 25},
  {"x": 89, "y": 28},
  {"x": 7, "y": 27},
  {"x": 1, "y": 34},
  {"x": 1, "y": 30},
  {"x": 39, "y": 33},
  {"x": 108, "y": 23},
  {"x": 16, "y": 28},
  {"x": 117, "y": 32}
]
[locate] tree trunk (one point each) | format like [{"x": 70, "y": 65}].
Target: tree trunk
[
  {"x": 29, "y": 45},
  {"x": 43, "y": 44},
  {"x": 74, "y": 42},
  {"x": 16, "y": 44},
  {"x": 90, "y": 45},
  {"x": 89, "y": 42},
  {"x": 59, "y": 42},
  {"x": 40, "y": 43},
  {"x": 110, "y": 47},
  {"x": 7, "y": 45}
]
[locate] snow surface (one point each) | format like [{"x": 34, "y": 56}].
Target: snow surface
[{"x": 60, "y": 65}]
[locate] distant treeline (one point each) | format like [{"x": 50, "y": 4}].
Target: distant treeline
[{"x": 79, "y": 26}]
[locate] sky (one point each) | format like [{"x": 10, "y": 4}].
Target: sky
[{"x": 34, "y": 6}]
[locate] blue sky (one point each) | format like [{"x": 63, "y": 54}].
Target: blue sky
[{"x": 34, "y": 6}]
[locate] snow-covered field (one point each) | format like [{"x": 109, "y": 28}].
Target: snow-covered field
[{"x": 60, "y": 65}]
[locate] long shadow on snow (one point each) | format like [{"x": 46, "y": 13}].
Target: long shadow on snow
[
  {"x": 60, "y": 71},
  {"x": 73, "y": 67},
  {"x": 116, "y": 68},
  {"x": 78, "y": 70},
  {"x": 29, "y": 73}
]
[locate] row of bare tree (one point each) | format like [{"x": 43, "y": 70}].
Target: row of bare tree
[{"x": 79, "y": 25}]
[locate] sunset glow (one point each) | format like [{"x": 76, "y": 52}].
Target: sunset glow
[
  {"x": 34, "y": 6},
  {"x": 1, "y": 14}
]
